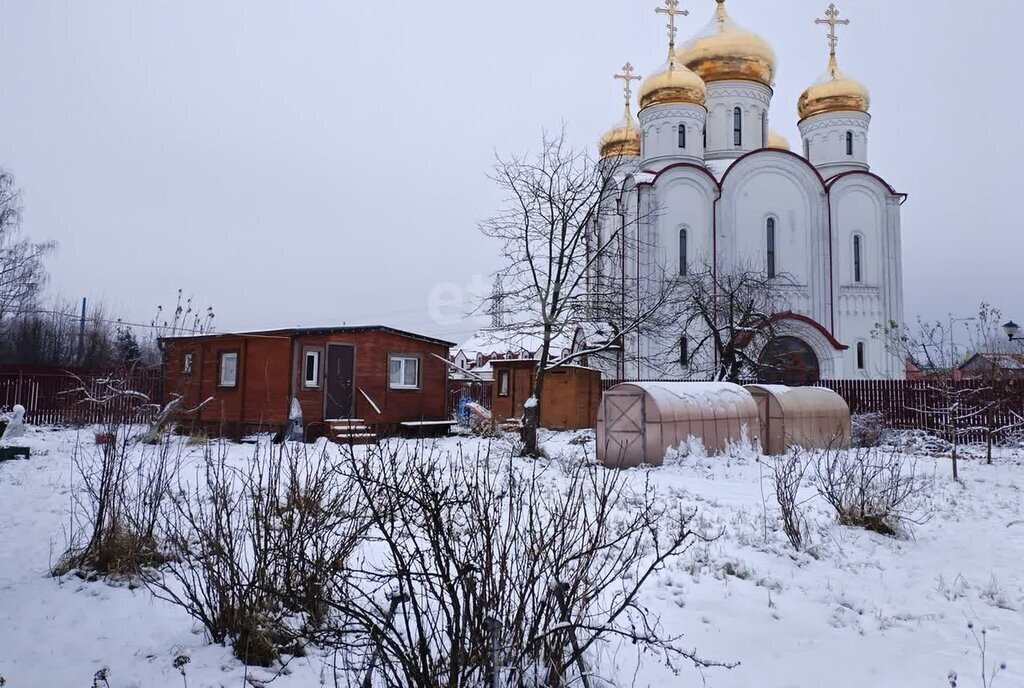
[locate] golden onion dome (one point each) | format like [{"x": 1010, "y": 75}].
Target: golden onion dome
[
  {"x": 834, "y": 93},
  {"x": 777, "y": 141},
  {"x": 724, "y": 51},
  {"x": 623, "y": 140},
  {"x": 676, "y": 83}
]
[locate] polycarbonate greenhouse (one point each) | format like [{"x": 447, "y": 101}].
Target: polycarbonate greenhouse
[
  {"x": 808, "y": 417},
  {"x": 638, "y": 421}
]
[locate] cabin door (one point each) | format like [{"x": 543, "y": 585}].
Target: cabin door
[{"x": 339, "y": 385}]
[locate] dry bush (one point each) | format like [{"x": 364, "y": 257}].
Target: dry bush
[
  {"x": 251, "y": 549},
  {"x": 787, "y": 475},
  {"x": 871, "y": 489},
  {"x": 867, "y": 429},
  {"x": 475, "y": 565},
  {"x": 115, "y": 514}
]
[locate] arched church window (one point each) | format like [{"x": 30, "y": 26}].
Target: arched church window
[
  {"x": 705, "y": 137},
  {"x": 764, "y": 129},
  {"x": 862, "y": 359},
  {"x": 771, "y": 247},
  {"x": 807, "y": 148},
  {"x": 684, "y": 267},
  {"x": 849, "y": 143},
  {"x": 682, "y": 136},
  {"x": 684, "y": 351},
  {"x": 858, "y": 272},
  {"x": 737, "y": 127}
]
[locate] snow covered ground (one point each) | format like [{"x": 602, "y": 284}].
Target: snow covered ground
[{"x": 866, "y": 610}]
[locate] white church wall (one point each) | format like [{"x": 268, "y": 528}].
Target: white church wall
[
  {"x": 659, "y": 127},
  {"x": 684, "y": 198},
  {"x": 753, "y": 99},
  {"x": 825, "y": 141}
]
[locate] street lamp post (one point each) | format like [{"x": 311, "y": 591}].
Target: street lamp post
[{"x": 1012, "y": 331}]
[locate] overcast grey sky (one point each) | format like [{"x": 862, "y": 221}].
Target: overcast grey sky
[{"x": 324, "y": 161}]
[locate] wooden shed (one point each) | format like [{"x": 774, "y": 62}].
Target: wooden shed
[
  {"x": 808, "y": 417},
  {"x": 349, "y": 381},
  {"x": 570, "y": 399}
]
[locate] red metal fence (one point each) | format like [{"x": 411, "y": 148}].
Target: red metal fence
[
  {"x": 982, "y": 406},
  {"x": 69, "y": 396}
]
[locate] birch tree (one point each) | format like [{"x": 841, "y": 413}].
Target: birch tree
[{"x": 22, "y": 272}]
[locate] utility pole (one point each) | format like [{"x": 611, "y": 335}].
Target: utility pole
[{"x": 81, "y": 335}]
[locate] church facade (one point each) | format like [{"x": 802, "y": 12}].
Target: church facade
[{"x": 705, "y": 182}]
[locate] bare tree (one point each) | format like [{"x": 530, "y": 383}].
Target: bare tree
[
  {"x": 22, "y": 273},
  {"x": 955, "y": 408},
  {"x": 729, "y": 316},
  {"x": 553, "y": 236}
]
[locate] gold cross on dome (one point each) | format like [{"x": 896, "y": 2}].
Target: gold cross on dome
[
  {"x": 672, "y": 10},
  {"x": 628, "y": 78},
  {"x": 832, "y": 20}
]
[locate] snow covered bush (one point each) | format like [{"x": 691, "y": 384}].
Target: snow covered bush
[
  {"x": 252, "y": 551},
  {"x": 115, "y": 513},
  {"x": 867, "y": 429},
  {"x": 480, "y": 564},
  {"x": 870, "y": 489},
  {"x": 787, "y": 475}
]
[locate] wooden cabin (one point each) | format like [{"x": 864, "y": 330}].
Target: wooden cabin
[
  {"x": 348, "y": 380},
  {"x": 570, "y": 399}
]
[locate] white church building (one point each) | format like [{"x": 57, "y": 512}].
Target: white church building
[{"x": 729, "y": 192}]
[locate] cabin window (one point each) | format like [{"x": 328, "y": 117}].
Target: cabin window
[
  {"x": 404, "y": 372},
  {"x": 857, "y": 270},
  {"x": 771, "y": 247},
  {"x": 503, "y": 379},
  {"x": 311, "y": 369},
  {"x": 862, "y": 363},
  {"x": 682, "y": 136},
  {"x": 186, "y": 363},
  {"x": 683, "y": 263},
  {"x": 737, "y": 127},
  {"x": 849, "y": 143},
  {"x": 479, "y": 360},
  {"x": 228, "y": 374},
  {"x": 684, "y": 351}
]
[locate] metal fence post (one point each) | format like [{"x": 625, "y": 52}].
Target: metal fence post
[{"x": 396, "y": 599}]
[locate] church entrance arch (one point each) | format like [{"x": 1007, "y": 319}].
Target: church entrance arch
[{"x": 789, "y": 361}]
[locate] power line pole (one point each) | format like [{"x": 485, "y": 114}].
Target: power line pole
[{"x": 81, "y": 335}]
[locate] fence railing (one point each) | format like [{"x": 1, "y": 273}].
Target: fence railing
[
  {"x": 69, "y": 396},
  {"x": 983, "y": 406}
]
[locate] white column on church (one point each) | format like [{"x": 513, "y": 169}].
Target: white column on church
[
  {"x": 836, "y": 142},
  {"x": 661, "y": 142}
]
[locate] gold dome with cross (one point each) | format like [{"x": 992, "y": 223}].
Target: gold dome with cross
[
  {"x": 675, "y": 83},
  {"x": 836, "y": 92},
  {"x": 623, "y": 140},
  {"x": 724, "y": 51}
]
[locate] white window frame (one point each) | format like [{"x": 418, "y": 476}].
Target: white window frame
[
  {"x": 405, "y": 359},
  {"x": 222, "y": 380},
  {"x": 307, "y": 381},
  {"x": 504, "y": 380},
  {"x": 187, "y": 363}
]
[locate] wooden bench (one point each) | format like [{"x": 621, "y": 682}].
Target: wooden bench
[{"x": 427, "y": 428}]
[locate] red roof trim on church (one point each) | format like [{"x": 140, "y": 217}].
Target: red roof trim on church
[
  {"x": 842, "y": 175},
  {"x": 790, "y": 315}
]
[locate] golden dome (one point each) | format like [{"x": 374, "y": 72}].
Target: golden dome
[
  {"x": 726, "y": 52},
  {"x": 675, "y": 84},
  {"x": 836, "y": 93},
  {"x": 623, "y": 140},
  {"x": 777, "y": 141}
]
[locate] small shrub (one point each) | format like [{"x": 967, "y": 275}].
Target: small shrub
[
  {"x": 867, "y": 429},
  {"x": 870, "y": 489},
  {"x": 788, "y": 473}
]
